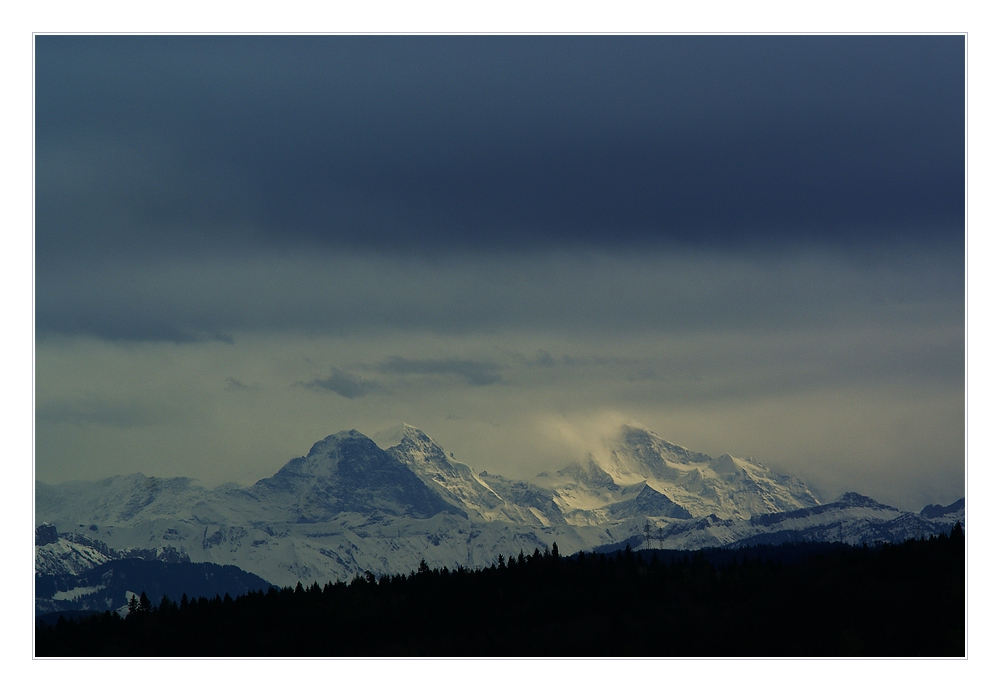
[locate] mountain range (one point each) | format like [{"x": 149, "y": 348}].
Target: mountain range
[{"x": 353, "y": 505}]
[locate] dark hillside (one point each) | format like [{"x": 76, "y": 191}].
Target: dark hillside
[
  {"x": 892, "y": 600},
  {"x": 104, "y": 586}
]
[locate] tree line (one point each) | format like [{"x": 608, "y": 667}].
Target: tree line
[{"x": 904, "y": 599}]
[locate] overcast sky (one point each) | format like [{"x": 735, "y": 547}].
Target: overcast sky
[{"x": 751, "y": 245}]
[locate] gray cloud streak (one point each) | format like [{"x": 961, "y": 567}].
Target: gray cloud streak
[
  {"x": 88, "y": 411},
  {"x": 474, "y": 372},
  {"x": 342, "y": 383}
]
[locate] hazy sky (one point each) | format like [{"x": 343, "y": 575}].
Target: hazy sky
[{"x": 751, "y": 245}]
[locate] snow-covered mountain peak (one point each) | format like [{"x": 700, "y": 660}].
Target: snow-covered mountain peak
[
  {"x": 348, "y": 472},
  {"x": 700, "y": 484},
  {"x": 418, "y": 448},
  {"x": 482, "y": 495},
  {"x": 417, "y": 436},
  {"x": 335, "y": 441},
  {"x": 635, "y": 454},
  {"x": 642, "y": 451},
  {"x": 936, "y": 511},
  {"x": 427, "y": 458},
  {"x": 634, "y": 435},
  {"x": 324, "y": 456},
  {"x": 390, "y": 437}
]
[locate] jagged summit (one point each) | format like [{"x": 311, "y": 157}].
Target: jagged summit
[
  {"x": 351, "y": 434},
  {"x": 348, "y": 472},
  {"x": 481, "y": 495},
  {"x": 324, "y": 454},
  {"x": 937, "y": 511},
  {"x": 645, "y": 441},
  {"x": 851, "y": 499}
]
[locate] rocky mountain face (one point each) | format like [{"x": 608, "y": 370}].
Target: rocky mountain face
[
  {"x": 351, "y": 505},
  {"x": 348, "y": 472},
  {"x": 481, "y": 496}
]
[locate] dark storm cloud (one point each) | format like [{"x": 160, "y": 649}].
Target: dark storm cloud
[
  {"x": 344, "y": 293},
  {"x": 342, "y": 383},
  {"x": 474, "y": 372},
  {"x": 751, "y": 242},
  {"x": 194, "y": 143}
]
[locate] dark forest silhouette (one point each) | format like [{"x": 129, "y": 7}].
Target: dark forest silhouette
[{"x": 904, "y": 599}]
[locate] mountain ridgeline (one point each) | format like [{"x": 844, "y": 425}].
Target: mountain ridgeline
[{"x": 353, "y": 506}]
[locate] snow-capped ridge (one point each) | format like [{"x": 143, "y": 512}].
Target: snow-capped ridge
[
  {"x": 935, "y": 511},
  {"x": 331, "y": 442},
  {"x": 351, "y": 505},
  {"x": 726, "y": 486},
  {"x": 853, "y": 499},
  {"x": 482, "y": 495}
]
